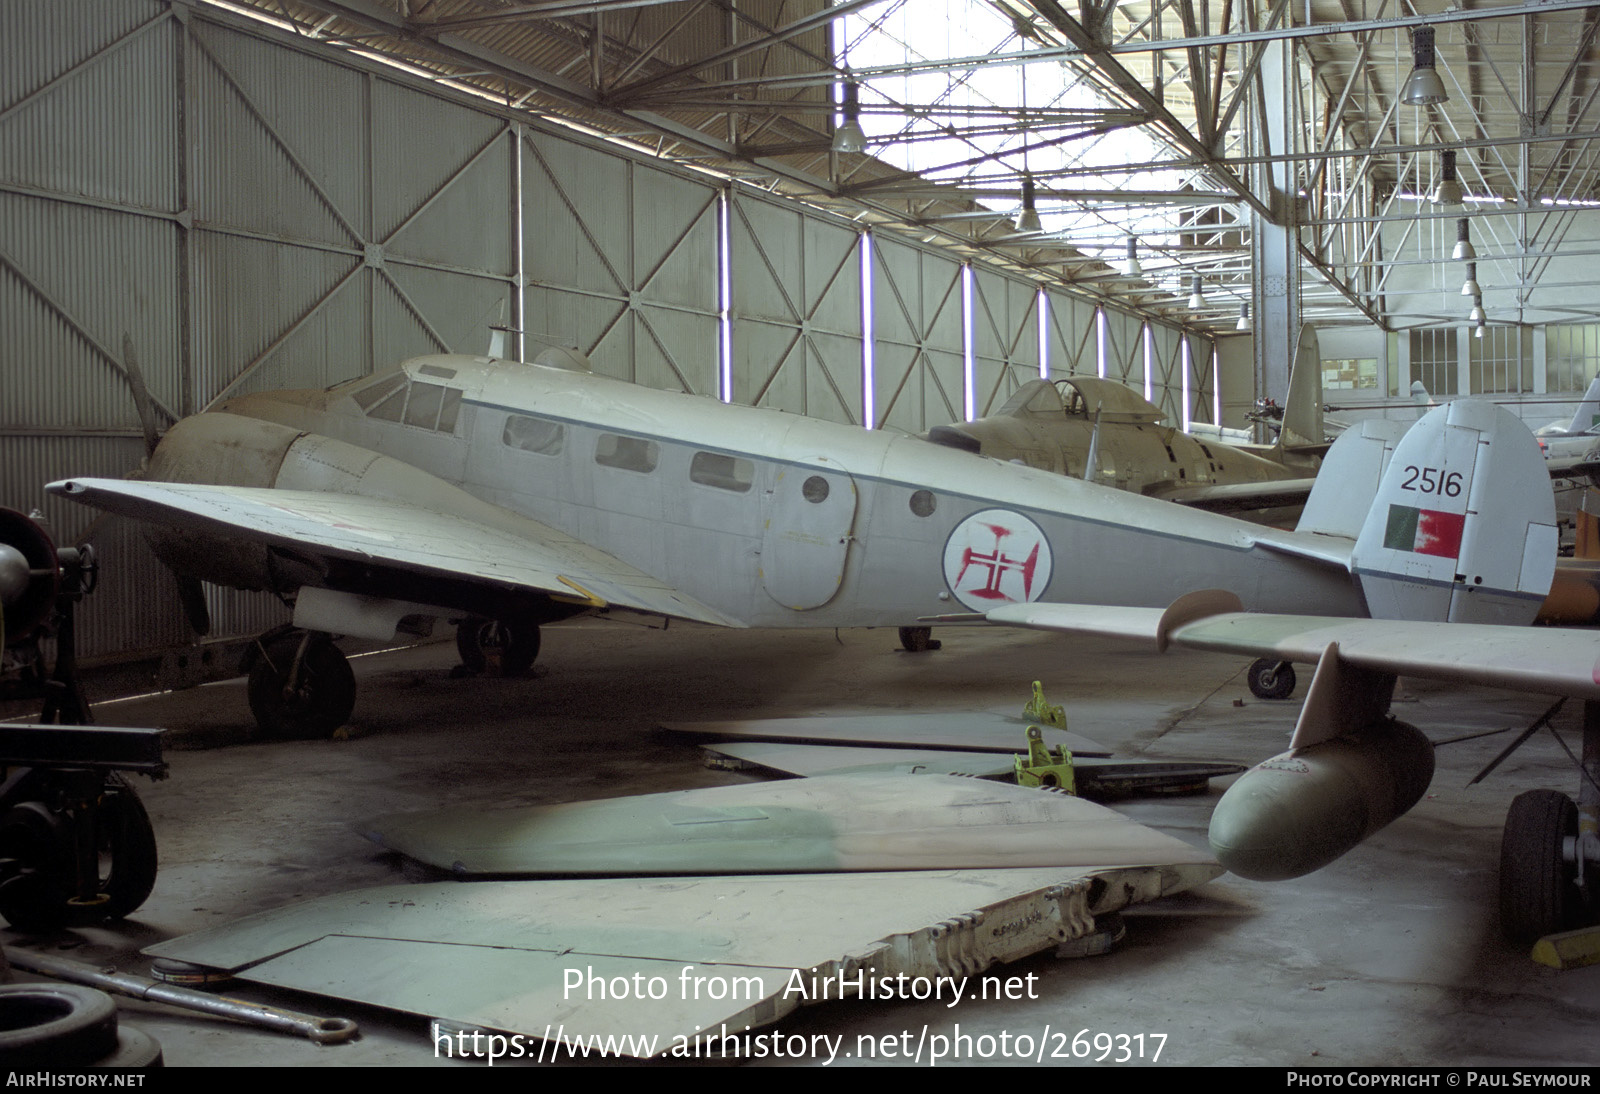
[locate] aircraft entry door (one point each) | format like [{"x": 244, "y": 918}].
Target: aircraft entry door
[{"x": 811, "y": 515}]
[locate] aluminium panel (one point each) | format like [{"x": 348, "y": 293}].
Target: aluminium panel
[
  {"x": 73, "y": 280},
  {"x": 446, "y": 199},
  {"x": 1005, "y": 337},
  {"x": 795, "y": 280},
  {"x": 1125, "y": 349},
  {"x": 1070, "y": 335},
  {"x": 107, "y": 129},
  {"x": 1202, "y": 376},
  {"x": 919, "y": 348},
  {"x": 1166, "y": 371},
  {"x": 275, "y": 153}
]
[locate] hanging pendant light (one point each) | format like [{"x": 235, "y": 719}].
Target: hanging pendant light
[
  {"x": 1448, "y": 192},
  {"x": 1464, "y": 251},
  {"x": 1423, "y": 87},
  {"x": 1028, "y": 218},
  {"x": 1130, "y": 265},
  {"x": 1470, "y": 286},
  {"x": 1197, "y": 299},
  {"x": 849, "y": 137},
  {"x": 1243, "y": 325}
]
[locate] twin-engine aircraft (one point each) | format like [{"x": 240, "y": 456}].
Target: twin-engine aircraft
[{"x": 522, "y": 494}]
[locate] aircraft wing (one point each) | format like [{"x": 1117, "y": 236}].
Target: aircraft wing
[
  {"x": 1544, "y": 660},
  {"x": 400, "y": 536}
]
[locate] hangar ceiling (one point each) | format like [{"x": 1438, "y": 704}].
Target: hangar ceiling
[{"x": 1142, "y": 120}]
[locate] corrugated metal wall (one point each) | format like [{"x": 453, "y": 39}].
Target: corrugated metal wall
[
  {"x": 252, "y": 214},
  {"x": 795, "y": 309},
  {"x": 919, "y": 349},
  {"x": 1005, "y": 335}
]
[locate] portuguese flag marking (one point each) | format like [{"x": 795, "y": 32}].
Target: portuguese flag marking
[{"x": 1424, "y": 531}]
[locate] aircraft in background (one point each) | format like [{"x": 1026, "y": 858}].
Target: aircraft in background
[{"x": 1104, "y": 432}]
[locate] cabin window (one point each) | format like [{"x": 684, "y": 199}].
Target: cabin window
[
  {"x": 628, "y": 453},
  {"x": 815, "y": 489},
  {"x": 723, "y": 472},
  {"x": 534, "y": 435},
  {"x": 923, "y": 503}
]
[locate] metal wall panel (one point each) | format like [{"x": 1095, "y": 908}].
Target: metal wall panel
[
  {"x": 106, "y": 68},
  {"x": 1005, "y": 335},
  {"x": 918, "y": 344},
  {"x": 1202, "y": 376},
  {"x": 795, "y": 309},
  {"x": 1166, "y": 371},
  {"x": 621, "y": 262},
  {"x": 1070, "y": 336},
  {"x": 1125, "y": 349}
]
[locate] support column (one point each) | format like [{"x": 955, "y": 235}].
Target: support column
[{"x": 1275, "y": 258}]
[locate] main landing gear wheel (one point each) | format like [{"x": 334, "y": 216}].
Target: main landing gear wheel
[
  {"x": 496, "y": 647},
  {"x": 918, "y": 639},
  {"x": 301, "y": 686},
  {"x": 1538, "y": 886},
  {"x": 38, "y": 862},
  {"x": 1271, "y": 679}
]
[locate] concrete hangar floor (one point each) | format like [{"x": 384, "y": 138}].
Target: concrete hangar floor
[{"x": 1391, "y": 956}]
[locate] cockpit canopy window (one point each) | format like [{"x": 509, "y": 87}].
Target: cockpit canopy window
[
  {"x": 396, "y": 399},
  {"x": 1034, "y": 397}
]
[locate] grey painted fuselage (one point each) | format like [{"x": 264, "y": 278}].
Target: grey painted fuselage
[{"x": 780, "y": 520}]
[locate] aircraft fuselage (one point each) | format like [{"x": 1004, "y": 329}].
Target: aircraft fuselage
[{"x": 770, "y": 518}]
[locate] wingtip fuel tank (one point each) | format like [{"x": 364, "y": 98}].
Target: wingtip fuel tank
[{"x": 1302, "y": 809}]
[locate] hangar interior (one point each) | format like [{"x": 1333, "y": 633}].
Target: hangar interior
[{"x": 884, "y": 213}]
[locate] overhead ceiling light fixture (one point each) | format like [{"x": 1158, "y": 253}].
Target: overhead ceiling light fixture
[
  {"x": 1463, "y": 251},
  {"x": 1028, "y": 218},
  {"x": 1197, "y": 299},
  {"x": 1477, "y": 332},
  {"x": 1130, "y": 265},
  {"x": 1448, "y": 191},
  {"x": 1469, "y": 287},
  {"x": 1243, "y": 324},
  {"x": 1476, "y": 314},
  {"x": 1423, "y": 86},
  {"x": 849, "y": 136}
]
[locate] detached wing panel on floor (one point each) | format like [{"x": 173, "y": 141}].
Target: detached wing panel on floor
[
  {"x": 1544, "y": 660},
  {"x": 400, "y": 536}
]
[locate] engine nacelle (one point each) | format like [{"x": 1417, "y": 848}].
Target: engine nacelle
[{"x": 1300, "y": 810}]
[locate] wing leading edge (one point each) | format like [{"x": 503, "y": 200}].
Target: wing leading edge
[
  {"x": 1543, "y": 660},
  {"x": 401, "y": 536}
]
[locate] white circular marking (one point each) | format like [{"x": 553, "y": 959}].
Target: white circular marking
[{"x": 997, "y": 557}]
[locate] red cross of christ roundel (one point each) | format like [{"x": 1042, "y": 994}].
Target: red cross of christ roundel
[{"x": 996, "y": 557}]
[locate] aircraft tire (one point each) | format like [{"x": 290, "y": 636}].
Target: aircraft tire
[
  {"x": 917, "y": 639},
  {"x": 56, "y": 1024},
  {"x": 1537, "y": 891},
  {"x": 1271, "y": 679},
  {"x": 316, "y": 704},
  {"x": 127, "y": 847},
  {"x": 35, "y": 868},
  {"x": 497, "y": 647}
]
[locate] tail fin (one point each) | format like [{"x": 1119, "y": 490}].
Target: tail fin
[
  {"x": 1302, "y": 408},
  {"x": 1347, "y": 483},
  {"x": 1463, "y": 527},
  {"x": 1588, "y": 412}
]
